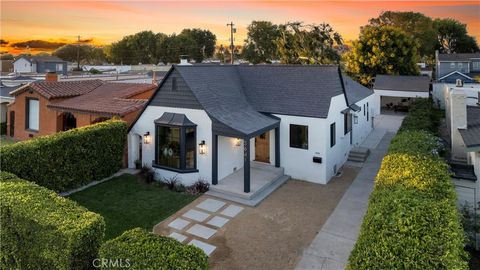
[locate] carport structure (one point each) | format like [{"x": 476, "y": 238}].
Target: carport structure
[{"x": 395, "y": 92}]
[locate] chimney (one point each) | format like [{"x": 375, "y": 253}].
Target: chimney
[
  {"x": 458, "y": 120},
  {"x": 51, "y": 77}
]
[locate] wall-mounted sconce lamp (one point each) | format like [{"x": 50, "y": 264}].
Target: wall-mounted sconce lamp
[
  {"x": 147, "y": 138},
  {"x": 202, "y": 148},
  {"x": 238, "y": 142},
  {"x": 355, "y": 119}
]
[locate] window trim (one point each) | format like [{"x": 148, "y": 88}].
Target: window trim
[
  {"x": 183, "y": 150},
  {"x": 333, "y": 134},
  {"x": 290, "y": 136},
  {"x": 27, "y": 114}
]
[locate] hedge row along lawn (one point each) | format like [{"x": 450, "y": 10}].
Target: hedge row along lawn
[
  {"x": 41, "y": 230},
  {"x": 69, "y": 159},
  {"x": 138, "y": 249},
  {"x": 127, "y": 202},
  {"x": 412, "y": 221}
]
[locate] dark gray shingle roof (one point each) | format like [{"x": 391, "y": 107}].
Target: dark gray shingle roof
[
  {"x": 402, "y": 83},
  {"x": 471, "y": 135},
  {"x": 240, "y": 96},
  {"x": 458, "y": 56}
]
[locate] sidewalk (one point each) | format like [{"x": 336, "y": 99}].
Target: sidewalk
[{"x": 332, "y": 246}]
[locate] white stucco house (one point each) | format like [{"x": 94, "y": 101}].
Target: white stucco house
[
  {"x": 396, "y": 92},
  {"x": 236, "y": 124}
]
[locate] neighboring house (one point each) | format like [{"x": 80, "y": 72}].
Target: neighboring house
[
  {"x": 218, "y": 122},
  {"x": 5, "y": 99},
  {"x": 47, "y": 107},
  {"x": 40, "y": 64},
  {"x": 463, "y": 66},
  {"x": 463, "y": 125},
  {"x": 397, "y": 92}
]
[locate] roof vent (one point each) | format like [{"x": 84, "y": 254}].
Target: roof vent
[{"x": 459, "y": 83}]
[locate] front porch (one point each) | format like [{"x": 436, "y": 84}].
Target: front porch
[{"x": 263, "y": 177}]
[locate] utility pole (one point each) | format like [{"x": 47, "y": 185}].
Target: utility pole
[
  {"x": 78, "y": 53},
  {"x": 232, "y": 47}
]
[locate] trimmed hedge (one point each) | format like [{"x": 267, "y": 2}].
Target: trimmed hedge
[
  {"x": 415, "y": 142},
  {"x": 69, "y": 159},
  {"x": 140, "y": 249},
  {"x": 412, "y": 221},
  {"x": 41, "y": 230}
]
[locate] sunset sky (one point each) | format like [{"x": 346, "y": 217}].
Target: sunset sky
[{"x": 107, "y": 21}]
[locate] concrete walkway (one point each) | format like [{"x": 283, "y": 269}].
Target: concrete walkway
[{"x": 332, "y": 246}]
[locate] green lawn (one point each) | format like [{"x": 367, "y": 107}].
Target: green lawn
[
  {"x": 6, "y": 140},
  {"x": 127, "y": 202}
]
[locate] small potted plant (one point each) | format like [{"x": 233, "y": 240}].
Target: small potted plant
[{"x": 138, "y": 164}]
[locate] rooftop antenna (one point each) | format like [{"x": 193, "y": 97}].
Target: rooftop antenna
[{"x": 232, "y": 47}]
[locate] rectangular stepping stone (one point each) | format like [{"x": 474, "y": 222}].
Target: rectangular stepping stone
[
  {"x": 231, "y": 210},
  {"x": 179, "y": 224},
  {"x": 196, "y": 215},
  {"x": 218, "y": 221},
  {"x": 201, "y": 231},
  {"x": 179, "y": 237},
  {"x": 211, "y": 205},
  {"x": 207, "y": 248}
]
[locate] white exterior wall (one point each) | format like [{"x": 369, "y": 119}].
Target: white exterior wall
[
  {"x": 298, "y": 162},
  {"x": 22, "y": 66},
  {"x": 475, "y": 161},
  {"x": 204, "y": 132},
  {"x": 438, "y": 93}
]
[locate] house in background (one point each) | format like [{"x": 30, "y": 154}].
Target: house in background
[
  {"x": 47, "y": 107},
  {"x": 463, "y": 125},
  {"x": 244, "y": 128},
  {"x": 40, "y": 64},
  {"x": 395, "y": 92},
  {"x": 463, "y": 66},
  {"x": 5, "y": 99}
]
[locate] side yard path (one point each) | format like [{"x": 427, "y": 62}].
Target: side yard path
[{"x": 333, "y": 244}]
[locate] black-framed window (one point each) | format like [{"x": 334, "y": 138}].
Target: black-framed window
[
  {"x": 32, "y": 114},
  {"x": 347, "y": 123},
  {"x": 333, "y": 134},
  {"x": 364, "y": 110},
  {"x": 175, "y": 147},
  {"x": 298, "y": 136},
  {"x": 367, "y": 112}
]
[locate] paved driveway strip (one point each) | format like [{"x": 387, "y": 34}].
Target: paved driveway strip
[{"x": 332, "y": 246}]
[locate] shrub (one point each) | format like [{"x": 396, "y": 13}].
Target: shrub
[
  {"x": 69, "y": 159},
  {"x": 412, "y": 221},
  {"x": 200, "y": 186},
  {"x": 145, "y": 250},
  {"x": 171, "y": 183},
  {"x": 415, "y": 142},
  {"x": 41, "y": 230}
]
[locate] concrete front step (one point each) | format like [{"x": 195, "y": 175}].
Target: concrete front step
[
  {"x": 358, "y": 154},
  {"x": 251, "y": 199}
]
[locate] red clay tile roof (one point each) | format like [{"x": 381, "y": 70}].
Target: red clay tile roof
[
  {"x": 52, "y": 90},
  {"x": 108, "y": 99}
]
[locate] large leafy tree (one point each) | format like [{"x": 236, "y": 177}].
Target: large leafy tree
[
  {"x": 417, "y": 24},
  {"x": 203, "y": 45},
  {"x": 260, "y": 45},
  {"x": 308, "y": 44},
  {"x": 381, "y": 50},
  {"x": 453, "y": 38},
  {"x": 87, "y": 54}
]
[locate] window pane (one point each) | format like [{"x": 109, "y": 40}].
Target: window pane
[
  {"x": 299, "y": 136},
  {"x": 33, "y": 114},
  {"x": 332, "y": 135},
  {"x": 168, "y": 146},
  {"x": 190, "y": 144}
]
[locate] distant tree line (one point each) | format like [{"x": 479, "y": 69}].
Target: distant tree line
[{"x": 147, "y": 47}]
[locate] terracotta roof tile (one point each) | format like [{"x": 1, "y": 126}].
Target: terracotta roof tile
[
  {"x": 107, "y": 99},
  {"x": 52, "y": 90}
]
